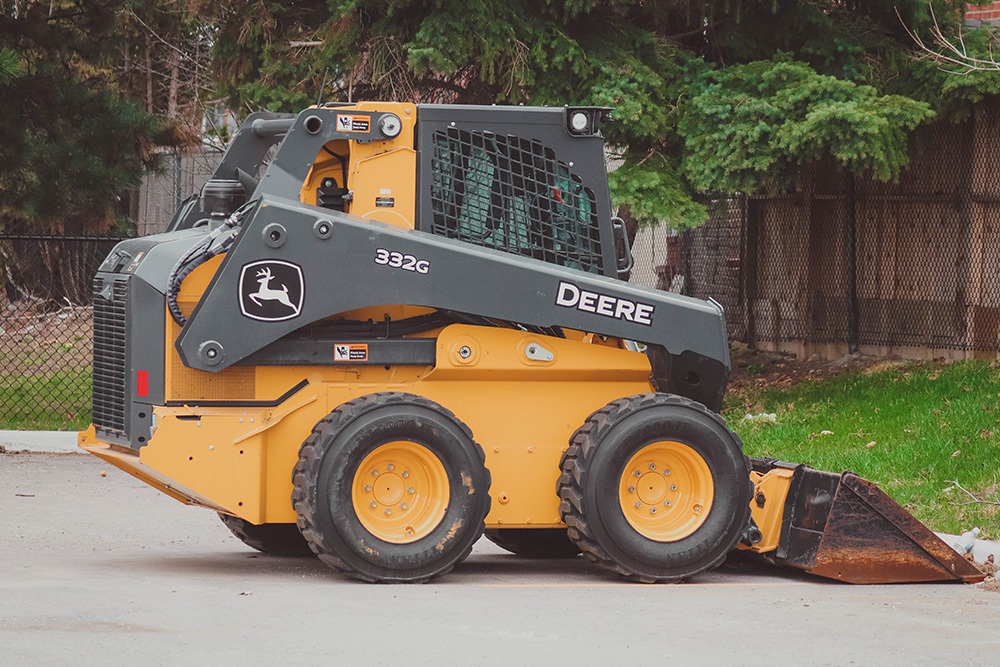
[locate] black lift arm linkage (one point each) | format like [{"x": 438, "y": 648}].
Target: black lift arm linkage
[{"x": 293, "y": 264}]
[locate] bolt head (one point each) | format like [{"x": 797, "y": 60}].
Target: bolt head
[
  {"x": 652, "y": 466},
  {"x": 673, "y": 487},
  {"x": 373, "y": 504},
  {"x": 638, "y": 504},
  {"x": 631, "y": 489},
  {"x": 374, "y": 473},
  {"x": 368, "y": 488},
  {"x": 410, "y": 490},
  {"x": 652, "y": 510},
  {"x": 388, "y": 511},
  {"x": 666, "y": 471},
  {"x": 390, "y": 467},
  {"x": 405, "y": 474},
  {"x": 636, "y": 473},
  {"x": 666, "y": 504},
  {"x": 697, "y": 509},
  {"x": 402, "y": 506}
]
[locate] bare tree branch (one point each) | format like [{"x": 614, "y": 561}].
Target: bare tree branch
[
  {"x": 951, "y": 52},
  {"x": 975, "y": 500}
]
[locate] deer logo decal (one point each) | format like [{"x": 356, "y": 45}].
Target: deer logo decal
[{"x": 271, "y": 290}]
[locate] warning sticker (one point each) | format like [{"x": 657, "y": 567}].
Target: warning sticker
[
  {"x": 350, "y": 352},
  {"x": 346, "y": 123},
  {"x": 135, "y": 263},
  {"x": 385, "y": 202}
]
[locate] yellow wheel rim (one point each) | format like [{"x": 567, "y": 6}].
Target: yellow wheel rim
[
  {"x": 666, "y": 491},
  {"x": 400, "y": 492}
]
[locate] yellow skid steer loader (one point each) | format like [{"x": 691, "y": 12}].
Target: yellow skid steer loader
[{"x": 382, "y": 329}]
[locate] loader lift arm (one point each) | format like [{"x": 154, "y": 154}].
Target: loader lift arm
[{"x": 686, "y": 337}]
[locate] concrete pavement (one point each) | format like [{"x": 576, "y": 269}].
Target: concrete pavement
[{"x": 107, "y": 571}]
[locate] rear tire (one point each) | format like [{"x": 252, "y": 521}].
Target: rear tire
[
  {"x": 391, "y": 488},
  {"x": 274, "y": 539},
  {"x": 655, "y": 488},
  {"x": 534, "y": 542}
]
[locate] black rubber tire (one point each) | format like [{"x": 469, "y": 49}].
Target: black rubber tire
[
  {"x": 589, "y": 487},
  {"x": 534, "y": 542},
  {"x": 324, "y": 474},
  {"x": 274, "y": 539}
]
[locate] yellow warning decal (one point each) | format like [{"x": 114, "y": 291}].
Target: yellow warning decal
[
  {"x": 350, "y": 352},
  {"x": 349, "y": 123}
]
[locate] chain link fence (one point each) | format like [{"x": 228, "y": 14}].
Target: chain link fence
[
  {"x": 46, "y": 319},
  {"x": 848, "y": 264},
  {"x": 842, "y": 264},
  {"x": 45, "y": 328}
]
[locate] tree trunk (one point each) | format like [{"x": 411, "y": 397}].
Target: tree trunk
[
  {"x": 149, "y": 76},
  {"x": 174, "y": 85}
]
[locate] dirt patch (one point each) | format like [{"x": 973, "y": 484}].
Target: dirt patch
[
  {"x": 990, "y": 584},
  {"x": 757, "y": 370},
  {"x": 38, "y": 343}
]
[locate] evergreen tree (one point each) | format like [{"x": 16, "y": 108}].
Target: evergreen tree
[
  {"x": 70, "y": 143},
  {"x": 719, "y": 94}
]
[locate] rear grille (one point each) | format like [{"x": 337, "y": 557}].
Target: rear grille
[
  {"x": 109, "y": 356},
  {"x": 511, "y": 194}
]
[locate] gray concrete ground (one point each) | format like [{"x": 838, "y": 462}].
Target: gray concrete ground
[
  {"x": 106, "y": 571},
  {"x": 62, "y": 442}
]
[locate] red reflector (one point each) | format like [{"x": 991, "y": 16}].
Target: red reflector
[{"x": 142, "y": 383}]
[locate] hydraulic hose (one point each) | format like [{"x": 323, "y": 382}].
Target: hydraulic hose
[{"x": 202, "y": 251}]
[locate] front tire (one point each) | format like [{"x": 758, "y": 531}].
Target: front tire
[
  {"x": 273, "y": 539},
  {"x": 655, "y": 488},
  {"x": 391, "y": 488}
]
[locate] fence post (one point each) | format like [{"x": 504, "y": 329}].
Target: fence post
[
  {"x": 850, "y": 243},
  {"x": 750, "y": 276}
]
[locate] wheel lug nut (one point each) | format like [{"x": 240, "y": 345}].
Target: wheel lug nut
[
  {"x": 652, "y": 510},
  {"x": 390, "y": 467},
  {"x": 666, "y": 504},
  {"x": 402, "y": 506},
  {"x": 631, "y": 489},
  {"x": 368, "y": 488},
  {"x": 373, "y": 504},
  {"x": 388, "y": 511},
  {"x": 405, "y": 474},
  {"x": 673, "y": 487},
  {"x": 638, "y": 504},
  {"x": 697, "y": 509},
  {"x": 374, "y": 473},
  {"x": 666, "y": 471},
  {"x": 652, "y": 466},
  {"x": 636, "y": 473},
  {"x": 410, "y": 490}
]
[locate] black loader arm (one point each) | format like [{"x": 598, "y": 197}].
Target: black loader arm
[{"x": 293, "y": 264}]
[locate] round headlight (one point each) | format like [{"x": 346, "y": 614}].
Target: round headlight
[{"x": 579, "y": 121}]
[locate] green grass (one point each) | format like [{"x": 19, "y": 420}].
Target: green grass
[
  {"x": 929, "y": 424},
  {"x": 54, "y": 401}
]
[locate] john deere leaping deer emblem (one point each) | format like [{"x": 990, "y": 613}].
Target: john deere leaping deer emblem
[{"x": 271, "y": 290}]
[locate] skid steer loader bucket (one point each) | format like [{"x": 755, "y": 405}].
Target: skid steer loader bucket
[{"x": 844, "y": 527}]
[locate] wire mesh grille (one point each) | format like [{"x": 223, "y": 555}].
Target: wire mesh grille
[
  {"x": 512, "y": 194},
  {"x": 109, "y": 355}
]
